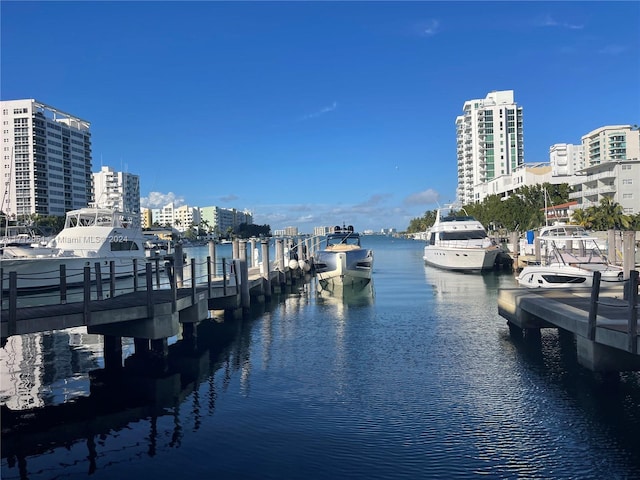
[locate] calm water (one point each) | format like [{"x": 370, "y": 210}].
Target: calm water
[{"x": 418, "y": 378}]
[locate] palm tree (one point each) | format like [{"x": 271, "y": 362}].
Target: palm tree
[
  {"x": 581, "y": 217},
  {"x": 611, "y": 215}
]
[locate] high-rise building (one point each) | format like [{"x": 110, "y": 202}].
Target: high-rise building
[
  {"x": 489, "y": 143},
  {"x": 118, "y": 190},
  {"x": 46, "y": 159}
]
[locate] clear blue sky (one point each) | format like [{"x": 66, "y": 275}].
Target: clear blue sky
[{"x": 316, "y": 113}]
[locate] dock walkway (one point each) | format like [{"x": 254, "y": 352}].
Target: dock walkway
[{"x": 604, "y": 321}]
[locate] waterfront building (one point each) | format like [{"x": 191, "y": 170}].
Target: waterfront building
[
  {"x": 222, "y": 220},
  {"x": 46, "y": 159},
  {"x": 118, "y": 190},
  {"x": 319, "y": 231},
  {"x": 146, "y": 219},
  {"x": 611, "y": 143},
  {"x": 612, "y": 157},
  {"x": 489, "y": 139},
  {"x": 566, "y": 161}
]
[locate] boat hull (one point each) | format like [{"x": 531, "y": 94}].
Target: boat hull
[
  {"x": 345, "y": 268},
  {"x": 561, "y": 276},
  {"x": 458, "y": 259}
]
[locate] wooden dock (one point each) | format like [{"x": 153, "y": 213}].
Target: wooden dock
[
  {"x": 603, "y": 320},
  {"x": 154, "y": 313}
]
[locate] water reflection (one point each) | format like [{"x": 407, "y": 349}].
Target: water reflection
[
  {"x": 345, "y": 295},
  {"x": 170, "y": 400},
  {"x": 465, "y": 287}
]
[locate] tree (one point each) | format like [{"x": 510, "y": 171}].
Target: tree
[
  {"x": 610, "y": 214},
  {"x": 581, "y": 217}
]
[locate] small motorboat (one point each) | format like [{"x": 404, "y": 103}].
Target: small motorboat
[{"x": 343, "y": 261}]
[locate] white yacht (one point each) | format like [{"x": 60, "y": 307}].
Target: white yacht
[
  {"x": 459, "y": 243},
  {"x": 90, "y": 235},
  {"x": 343, "y": 260},
  {"x": 568, "y": 258}
]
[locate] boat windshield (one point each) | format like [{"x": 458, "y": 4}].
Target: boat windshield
[
  {"x": 343, "y": 240},
  {"x": 564, "y": 231},
  {"x": 463, "y": 235}
]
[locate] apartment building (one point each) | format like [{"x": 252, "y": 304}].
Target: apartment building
[
  {"x": 566, "y": 160},
  {"x": 489, "y": 143},
  {"x": 118, "y": 190},
  {"x": 612, "y": 157},
  {"x": 46, "y": 159},
  {"x": 611, "y": 143}
]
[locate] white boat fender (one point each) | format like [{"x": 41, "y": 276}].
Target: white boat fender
[{"x": 293, "y": 264}]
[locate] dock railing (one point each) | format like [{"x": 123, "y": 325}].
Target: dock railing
[
  {"x": 630, "y": 303},
  {"x": 94, "y": 283}
]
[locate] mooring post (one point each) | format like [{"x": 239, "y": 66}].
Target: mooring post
[
  {"x": 212, "y": 258},
  {"x": 611, "y": 247},
  {"x": 245, "y": 299},
  {"x": 266, "y": 268},
  {"x": 628, "y": 252},
  {"x": 224, "y": 277},
  {"x": 633, "y": 311},
  {"x": 242, "y": 245},
  {"x": 13, "y": 302},
  {"x": 252, "y": 252},
  {"x": 178, "y": 262},
  {"x": 593, "y": 306}
]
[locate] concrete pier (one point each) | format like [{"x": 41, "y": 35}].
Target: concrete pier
[{"x": 604, "y": 323}]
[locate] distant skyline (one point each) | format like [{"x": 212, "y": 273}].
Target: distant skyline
[{"x": 316, "y": 113}]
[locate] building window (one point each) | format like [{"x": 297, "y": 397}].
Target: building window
[{"x": 627, "y": 181}]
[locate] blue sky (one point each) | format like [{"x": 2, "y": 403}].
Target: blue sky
[{"x": 316, "y": 113}]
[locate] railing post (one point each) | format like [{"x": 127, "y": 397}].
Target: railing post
[
  {"x": 209, "y": 277},
  {"x": 149, "y": 284},
  {"x": 63, "y": 284},
  {"x": 633, "y": 311},
  {"x": 112, "y": 278},
  {"x": 157, "y": 269},
  {"x": 98, "y": 281},
  {"x": 135, "y": 274},
  {"x": 87, "y": 296},
  {"x": 593, "y": 305},
  {"x": 193, "y": 281},
  {"x": 174, "y": 281}
]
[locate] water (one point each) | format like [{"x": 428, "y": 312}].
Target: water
[{"x": 418, "y": 379}]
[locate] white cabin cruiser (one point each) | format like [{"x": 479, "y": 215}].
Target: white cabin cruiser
[
  {"x": 343, "y": 260},
  {"x": 459, "y": 243},
  {"x": 90, "y": 236}
]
